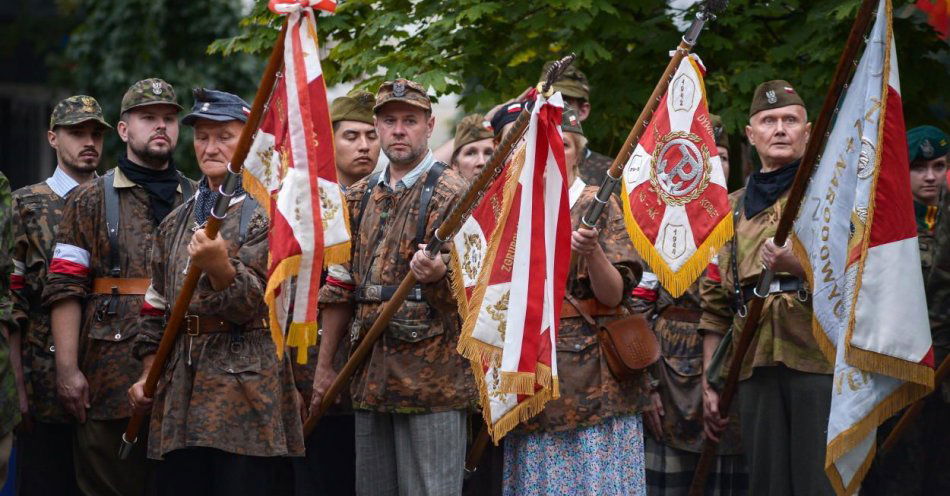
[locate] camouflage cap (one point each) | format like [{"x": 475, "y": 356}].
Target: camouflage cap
[
  {"x": 151, "y": 91},
  {"x": 357, "y": 106},
  {"x": 75, "y": 110},
  {"x": 774, "y": 94},
  {"x": 470, "y": 129},
  {"x": 570, "y": 122},
  {"x": 402, "y": 90},
  {"x": 572, "y": 84},
  {"x": 719, "y": 131},
  {"x": 927, "y": 143}
]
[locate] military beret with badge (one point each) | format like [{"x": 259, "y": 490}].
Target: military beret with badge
[
  {"x": 774, "y": 94},
  {"x": 927, "y": 143}
]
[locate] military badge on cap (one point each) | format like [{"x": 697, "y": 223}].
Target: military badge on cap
[
  {"x": 770, "y": 97},
  {"x": 151, "y": 91},
  {"x": 402, "y": 90},
  {"x": 774, "y": 94},
  {"x": 927, "y": 143},
  {"x": 76, "y": 110},
  {"x": 215, "y": 105},
  {"x": 399, "y": 89}
]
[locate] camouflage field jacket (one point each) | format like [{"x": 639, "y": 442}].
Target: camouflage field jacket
[
  {"x": 37, "y": 211},
  {"x": 224, "y": 390},
  {"x": 938, "y": 295},
  {"x": 414, "y": 367},
  {"x": 82, "y": 254},
  {"x": 9, "y": 408},
  {"x": 785, "y": 330},
  {"x": 589, "y": 394},
  {"x": 593, "y": 168}
]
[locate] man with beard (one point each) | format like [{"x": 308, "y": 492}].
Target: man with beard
[
  {"x": 411, "y": 394},
  {"x": 44, "y": 445},
  {"x": 97, "y": 279},
  {"x": 785, "y": 382}
]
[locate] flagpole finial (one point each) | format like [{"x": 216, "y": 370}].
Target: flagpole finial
[{"x": 554, "y": 73}]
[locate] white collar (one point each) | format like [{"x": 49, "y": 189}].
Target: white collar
[
  {"x": 412, "y": 176},
  {"x": 61, "y": 183}
]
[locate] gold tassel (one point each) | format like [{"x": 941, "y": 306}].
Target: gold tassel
[
  {"x": 287, "y": 268},
  {"x": 302, "y": 335},
  {"x": 517, "y": 383},
  {"x": 337, "y": 254},
  {"x": 257, "y": 190}
]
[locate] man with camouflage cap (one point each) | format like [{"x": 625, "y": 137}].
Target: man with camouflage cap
[
  {"x": 575, "y": 89},
  {"x": 917, "y": 463},
  {"x": 97, "y": 279},
  {"x": 354, "y": 137},
  {"x": 784, "y": 395},
  {"x": 76, "y": 132},
  {"x": 411, "y": 394}
]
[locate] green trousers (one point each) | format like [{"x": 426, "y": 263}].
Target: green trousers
[
  {"x": 783, "y": 415},
  {"x": 99, "y": 471}
]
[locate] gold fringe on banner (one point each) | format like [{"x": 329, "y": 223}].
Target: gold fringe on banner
[
  {"x": 821, "y": 337},
  {"x": 257, "y": 190},
  {"x": 679, "y": 281},
  {"x": 286, "y": 269},
  {"x": 528, "y": 408}
]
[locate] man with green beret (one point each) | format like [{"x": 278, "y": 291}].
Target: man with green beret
[
  {"x": 473, "y": 146},
  {"x": 575, "y": 89},
  {"x": 354, "y": 137},
  {"x": 411, "y": 395},
  {"x": 917, "y": 463},
  {"x": 321, "y": 471},
  {"x": 76, "y": 131},
  {"x": 97, "y": 279},
  {"x": 784, "y": 395}
]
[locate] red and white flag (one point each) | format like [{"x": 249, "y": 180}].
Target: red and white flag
[
  {"x": 857, "y": 239},
  {"x": 511, "y": 320},
  {"x": 675, "y": 200},
  {"x": 291, "y": 170}
]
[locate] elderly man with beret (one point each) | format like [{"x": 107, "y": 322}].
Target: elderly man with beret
[{"x": 785, "y": 383}]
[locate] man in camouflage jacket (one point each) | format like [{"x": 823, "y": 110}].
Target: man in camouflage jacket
[
  {"x": 412, "y": 392},
  {"x": 784, "y": 394},
  {"x": 76, "y": 132},
  {"x": 9, "y": 413},
  {"x": 95, "y": 290}
]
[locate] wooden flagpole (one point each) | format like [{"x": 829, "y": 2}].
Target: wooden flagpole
[
  {"x": 843, "y": 72},
  {"x": 914, "y": 410},
  {"x": 177, "y": 316}
]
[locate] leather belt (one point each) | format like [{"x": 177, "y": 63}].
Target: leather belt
[
  {"x": 122, "y": 286},
  {"x": 194, "y": 325},
  {"x": 682, "y": 314},
  {"x": 377, "y": 293},
  {"x": 780, "y": 284},
  {"x": 591, "y": 307}
]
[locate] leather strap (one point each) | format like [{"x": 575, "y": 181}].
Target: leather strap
[
  {"x": 682, "y": 314},
  {"x": 112, "y": 221},
  {"x": 247, "y": 211},
  {"x": 187, "y": 189},
  {"x": 586, "y": 309},
  {"x": 123, "y": 286},
  {"x": 194, "y": 325},
  {"x": 377, "y": 293},
  {"x": 432, "y": 178},
  {"x": 780, "y": 284}
]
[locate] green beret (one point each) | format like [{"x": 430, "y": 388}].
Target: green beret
[
  {"x": 470, "y": 129},
  {"x": 357, "y": 105},
  {"x": 570, "y": 122},
  {"x": 719, "y": 131},
  {"x": 76, "y": 110},
  {"x": 572, "y": 84},
  {"x": 151, "y": 91},
  {"x": 927, "y": 143},
  {"x": 774, "y": 94}
]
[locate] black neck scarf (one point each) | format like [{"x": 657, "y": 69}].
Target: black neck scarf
[
  {"x": 764, "y": 188},
  {"x": 161, "y": 185},
  {"x": 207, "y": 198}
]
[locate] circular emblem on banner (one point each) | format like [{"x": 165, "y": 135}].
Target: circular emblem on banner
[{"x": 681, "y": 169}]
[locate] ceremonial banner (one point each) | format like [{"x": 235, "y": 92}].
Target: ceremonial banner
[
  {"x": 511, "y": 321},
  {"x": 291, "y": 170},
  {"x": 675, "y": 200},
  {"x": 857, "y": 239}
]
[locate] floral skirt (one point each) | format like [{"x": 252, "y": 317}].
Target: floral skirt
[{"x": 604, "y": 459}]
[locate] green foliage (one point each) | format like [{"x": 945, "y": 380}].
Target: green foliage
[
  {"x": 118, "y": 42},
  {"x": 490, "y": 50}
]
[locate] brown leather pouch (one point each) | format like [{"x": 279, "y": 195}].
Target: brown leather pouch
[{"x": 627, "y": 343}]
